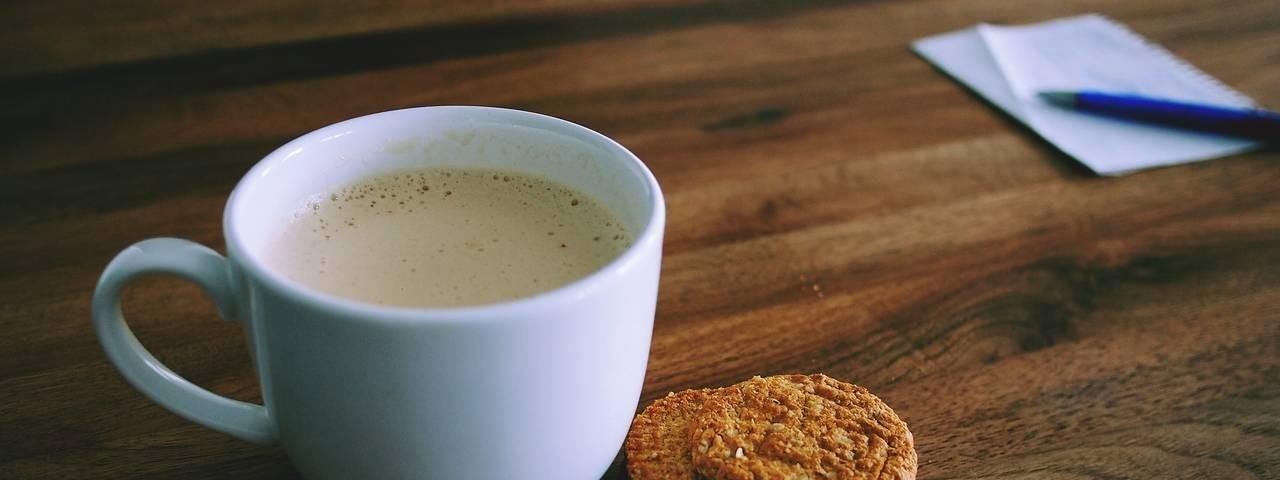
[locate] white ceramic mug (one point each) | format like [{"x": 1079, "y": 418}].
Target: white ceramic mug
[{"x": 539, "y": 387}]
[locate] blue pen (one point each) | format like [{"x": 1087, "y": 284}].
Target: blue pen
[{"x": 1237, "y": 122}]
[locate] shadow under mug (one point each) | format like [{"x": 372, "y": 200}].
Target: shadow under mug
[{"x": 539, "y": 387}]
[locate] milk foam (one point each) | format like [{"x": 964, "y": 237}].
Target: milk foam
[{"x": 443, "y": 237}]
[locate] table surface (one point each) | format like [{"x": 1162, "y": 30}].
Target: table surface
[{"x": 836, "y": 205}]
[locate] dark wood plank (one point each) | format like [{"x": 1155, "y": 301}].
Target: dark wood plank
[
  {"x": 836, "y": 205},
  {"x": 59, "y": 35}
]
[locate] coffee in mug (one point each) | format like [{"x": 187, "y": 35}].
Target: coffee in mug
[{"x": 447, "y": 237}]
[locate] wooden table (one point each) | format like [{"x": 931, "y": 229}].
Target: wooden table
[{"x": 836, "y": 205}]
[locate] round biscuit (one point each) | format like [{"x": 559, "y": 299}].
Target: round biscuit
[{"x": 800, "y": 427}]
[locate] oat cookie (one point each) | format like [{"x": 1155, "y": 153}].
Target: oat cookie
[
  {"x": 800, "y": 427},
  {"x": 658, "y": 444}
]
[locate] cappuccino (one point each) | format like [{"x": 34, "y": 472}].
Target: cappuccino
[{"x": 447, "y": 237}]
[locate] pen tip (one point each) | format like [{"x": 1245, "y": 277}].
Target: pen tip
[{"x": 1064, "y": 99}]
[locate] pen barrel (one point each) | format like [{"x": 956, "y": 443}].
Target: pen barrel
[{"x": 1252, "y": 123}]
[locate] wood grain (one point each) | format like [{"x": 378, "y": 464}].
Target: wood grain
[{"x": 836, "y": 205}]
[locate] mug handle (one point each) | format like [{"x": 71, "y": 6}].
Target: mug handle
[{"x": 208, "y": 269}]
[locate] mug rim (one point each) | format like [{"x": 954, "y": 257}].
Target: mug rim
[{"x": 563, "y": 295}]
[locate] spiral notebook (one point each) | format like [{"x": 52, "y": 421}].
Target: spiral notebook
[{"x": 1009, "y": 65}]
